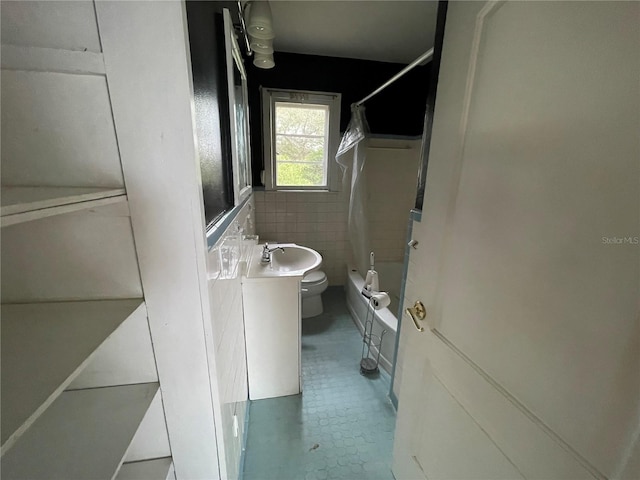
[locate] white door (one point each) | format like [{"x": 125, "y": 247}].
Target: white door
[{"x": 528, "y": 256}]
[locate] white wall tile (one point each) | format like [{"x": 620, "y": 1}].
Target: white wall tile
[
  {"x": 225, "y": 289},
  {"x": 313, "y": 219},
  {"x": 391, "y": 186}
]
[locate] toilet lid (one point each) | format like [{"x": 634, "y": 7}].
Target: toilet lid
[{"x": 314, "y": 277}]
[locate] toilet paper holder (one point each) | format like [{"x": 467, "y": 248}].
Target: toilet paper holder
[{"x": 417, "y": 312}]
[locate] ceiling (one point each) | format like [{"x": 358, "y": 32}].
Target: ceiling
[{"x": 386, "y": 31}]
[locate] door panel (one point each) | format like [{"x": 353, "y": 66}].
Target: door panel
[
  {"x": 449, "y": 429},
  {"x": 527, "y": 277},
  {"x": 534, "y": 168}
]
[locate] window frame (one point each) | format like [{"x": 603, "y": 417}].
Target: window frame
[{"x": 271, "y": 96}]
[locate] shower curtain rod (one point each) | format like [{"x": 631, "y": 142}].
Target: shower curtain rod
[{"x": 422, "y": 58}]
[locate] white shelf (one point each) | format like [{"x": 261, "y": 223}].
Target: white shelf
[
  {"x": 83, "y": 434},
  {"x": 157, "y": 469},
  {"x": 39, "y": 59},
  {"x": 44, "y": 347},
  {"x": 23, "y": 204}
]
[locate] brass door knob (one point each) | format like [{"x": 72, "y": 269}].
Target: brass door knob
[{"x": 417, "y": 312}]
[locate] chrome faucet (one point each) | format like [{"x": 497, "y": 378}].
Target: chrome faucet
[{"x": 266, "y": 253}]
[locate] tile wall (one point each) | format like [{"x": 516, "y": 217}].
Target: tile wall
[
  {"x": 314, "y": 219},
  {"x": 391, "y": 172},
  {"x": 224, "y": 269},
  {"x": 319, "y": 219}
]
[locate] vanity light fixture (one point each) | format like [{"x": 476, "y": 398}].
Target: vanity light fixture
[
  {"x": 262, "y": 46},
  {"x": 256, "y": 26},
  {"x": 259, "y": 20},
  {"x": 263, "y": 60}
]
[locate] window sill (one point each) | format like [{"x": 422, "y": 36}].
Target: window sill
[
  {"x": 295, "y": 190},
  {"x": 304, "y": 190}
]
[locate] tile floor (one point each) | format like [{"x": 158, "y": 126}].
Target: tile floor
[{"x": 341, "y": 427}]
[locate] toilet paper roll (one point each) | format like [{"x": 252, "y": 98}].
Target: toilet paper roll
[{"x": 380, "y": 300}]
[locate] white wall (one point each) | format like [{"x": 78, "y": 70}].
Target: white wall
[{"x": 147, "y": 60}]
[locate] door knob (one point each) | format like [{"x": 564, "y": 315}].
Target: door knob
[{"x": 417, "y": 312}]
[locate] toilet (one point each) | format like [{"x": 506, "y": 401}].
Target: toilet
[{"x": 313, "y": 284}]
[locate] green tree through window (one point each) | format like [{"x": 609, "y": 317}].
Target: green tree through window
[{"x": 301, "y": 139}]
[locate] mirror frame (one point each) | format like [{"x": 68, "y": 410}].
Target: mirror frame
[{"x": 238, "y": 148}]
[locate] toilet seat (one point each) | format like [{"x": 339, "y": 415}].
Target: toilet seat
[{"x": 314, "y": 278}]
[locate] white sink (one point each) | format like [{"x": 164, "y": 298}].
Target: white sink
[{"x": 292, "y": 261}]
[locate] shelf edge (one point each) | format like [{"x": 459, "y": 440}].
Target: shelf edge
[
  {"x": 15, "y": 464},
  {"x": 39, "y": 213},
  {"x": 53, "y": 60},
  {"x": 31, "y": 419}
]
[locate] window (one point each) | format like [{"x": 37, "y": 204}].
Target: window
[{"x": 301, "y": 133}]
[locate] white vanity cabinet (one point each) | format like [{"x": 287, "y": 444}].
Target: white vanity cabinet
[{"x": 272, "y": 322}]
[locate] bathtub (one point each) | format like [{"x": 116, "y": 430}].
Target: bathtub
[{"x": 390, "y": 275}]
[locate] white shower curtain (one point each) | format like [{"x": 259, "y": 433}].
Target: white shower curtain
[{"x": 355, "y": 138}]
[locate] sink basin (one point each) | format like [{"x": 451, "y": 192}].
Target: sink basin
[
  {"x": 295, "y": 258},
  {"x": 294, "y": 261}
]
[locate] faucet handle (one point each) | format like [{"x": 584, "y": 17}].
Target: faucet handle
[{"x": 266, "y": 254}]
